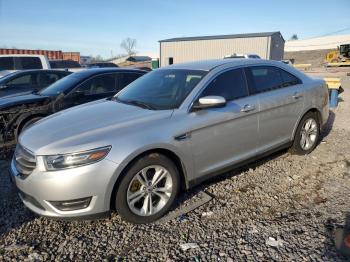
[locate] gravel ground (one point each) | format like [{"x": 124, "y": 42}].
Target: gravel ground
[{"x": 281, "y": 208}]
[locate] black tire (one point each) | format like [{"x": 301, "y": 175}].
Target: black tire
[
  {"x": 121, "y": 204},
  {"x": 296, "y": 148}
]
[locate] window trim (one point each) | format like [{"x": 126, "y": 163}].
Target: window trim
[
  {"x": 252, "y": 87},
  {"x": 211, "y": 79}
]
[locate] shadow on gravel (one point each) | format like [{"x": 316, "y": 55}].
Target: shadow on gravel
[
  {"x": 328, "y": 127},
  {"x": 195, "y": 191},
  {"x": 13, "y": 212}
]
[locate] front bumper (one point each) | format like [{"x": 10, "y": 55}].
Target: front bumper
[{"x": 41, "y": 189}]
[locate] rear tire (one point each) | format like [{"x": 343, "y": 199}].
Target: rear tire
[
  {"x": 148, "y": 189},
  {"x": 307, "y": 135}
]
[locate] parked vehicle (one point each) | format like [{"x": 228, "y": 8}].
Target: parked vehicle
[
  {"x": 101, "y": 65},
  {"x": 12, "y": 63},
  {"x": 29, "y": 80},
  {"x": 171, "y": 129},
  {"x": 18, "y": 112},
  {"x": 252, "y": 56},
  {"x": 65, "y": 64}
]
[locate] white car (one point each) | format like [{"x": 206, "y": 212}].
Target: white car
[
  {"x": 252, "y": 56},
  {"x": 14, "y": 62}
]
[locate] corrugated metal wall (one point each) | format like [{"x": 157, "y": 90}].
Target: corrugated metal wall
[
  {"x": 184, "y": 51},
  {"x": 51, "y": 54}
]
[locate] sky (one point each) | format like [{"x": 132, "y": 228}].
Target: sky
[{"x": 98, "y": 27}]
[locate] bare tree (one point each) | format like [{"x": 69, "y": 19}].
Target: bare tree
[{"x": 129, "y": 45}]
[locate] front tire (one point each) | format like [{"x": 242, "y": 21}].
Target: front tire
[
  {"x": 307, "y": 135},
  {"x": 148, "y": 189}
]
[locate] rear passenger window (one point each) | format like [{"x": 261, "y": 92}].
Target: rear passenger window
[
  {"x": 29, "y": 62},
  {"x": 266, "y": 78},
  {"x": 289, "y": 79},
  {"x": 230, "y": 85},
  {"x": 6, "y": 63}
]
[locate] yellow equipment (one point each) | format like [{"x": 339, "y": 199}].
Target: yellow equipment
[{"x": 337, "y": 57}]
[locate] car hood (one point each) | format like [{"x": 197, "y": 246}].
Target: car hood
[
  {"x": 20, "y": 99},
  {"x": 86, "y": 127}
]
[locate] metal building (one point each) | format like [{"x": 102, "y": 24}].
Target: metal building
[{"x": 269, "y": 45}]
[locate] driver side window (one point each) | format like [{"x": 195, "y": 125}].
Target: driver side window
[
  {"x": 230, "y": 85},
  {"x": 98, "y": 85}
]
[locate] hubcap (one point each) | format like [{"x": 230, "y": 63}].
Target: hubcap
[
  {"x": 149, "y": 190},
  {"x": 308, "y": 134}
]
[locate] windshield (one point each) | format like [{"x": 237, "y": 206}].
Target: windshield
[
  {"x": 161, "y": 89},
  {"x": 61, "y": 86}
]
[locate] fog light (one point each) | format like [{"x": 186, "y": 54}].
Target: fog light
[{"x": 70, "y": 205}]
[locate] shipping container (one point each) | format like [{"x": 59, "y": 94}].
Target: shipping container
[{"x": 51, "y": 54}]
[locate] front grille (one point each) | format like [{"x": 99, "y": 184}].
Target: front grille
[{"x": 24, "y": 161}]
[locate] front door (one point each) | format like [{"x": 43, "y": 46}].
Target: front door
[{"x": 224, "y": 136}]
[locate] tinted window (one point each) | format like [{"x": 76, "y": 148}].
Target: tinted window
[
  {"x": 230, "y": 85},
  {"x": 265, "y": 78},
  {"x": 99, "y": 85},
  {"x": 64, "y": 64},
  {"x": 22, "y": 80},
  {"x": 162, "y": 89},
  {"x": 289, "y": 79},
  {"x": 63, "y": 85},
  {"x": 28, "y": 62},
  {"x": 127, "y": 78},
  {"x": 48, "y": 78},
  {"x": 6, "y": 63}
]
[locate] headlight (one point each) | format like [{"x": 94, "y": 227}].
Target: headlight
[{"x": 57, "y": 162}]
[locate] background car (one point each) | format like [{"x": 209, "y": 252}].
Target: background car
[
  {"x": 251, "y": 56},
  {"x": 29, "y": 80},
  {"x": 101, "y": 65},
  {"x": 12, "y": 63},
  {"x": 18, "y": 112},
  {"x": 69, "y": 65},
  {"x": 173, "y": 128}
]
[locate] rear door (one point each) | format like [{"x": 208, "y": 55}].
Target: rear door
[
  {"x": 280, "y": 104},
  {"x": 227, "y": 135}
]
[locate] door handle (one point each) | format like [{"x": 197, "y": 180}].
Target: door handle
[
  {"x": 247, "y": 108},
  {"x": 297, "y": 95}
]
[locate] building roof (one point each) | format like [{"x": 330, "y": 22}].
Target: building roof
[{"x": 263, "y": 34}]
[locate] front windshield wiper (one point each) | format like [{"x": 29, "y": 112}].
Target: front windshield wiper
[{"x": 135, "y": 103}]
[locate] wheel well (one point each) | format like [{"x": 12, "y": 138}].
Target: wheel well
[
  {"x": 25, "y": 120},
  {"x": 171, "y": 155},
  {"x": 313, "y": 110},
  {"x": 318, "y": 114}
]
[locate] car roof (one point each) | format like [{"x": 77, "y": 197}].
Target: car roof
[
  {"x": 94, "y": 71},
  {"x": 208, "y": 65}
]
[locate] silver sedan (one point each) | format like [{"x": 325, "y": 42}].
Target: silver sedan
[{"x": 168, "y": 130}]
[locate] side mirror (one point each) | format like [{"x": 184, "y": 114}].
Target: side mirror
[
  {"x": 210, "y": 102},
  {"x": 3, "y": 86}
]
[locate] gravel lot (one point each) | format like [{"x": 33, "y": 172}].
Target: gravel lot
[{"x": 283, "y": 207}]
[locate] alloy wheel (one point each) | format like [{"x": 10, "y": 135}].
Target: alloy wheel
[{"x": 149, "y": 190}]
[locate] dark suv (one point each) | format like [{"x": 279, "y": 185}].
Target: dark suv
[{"x": 18, "y": 112}]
